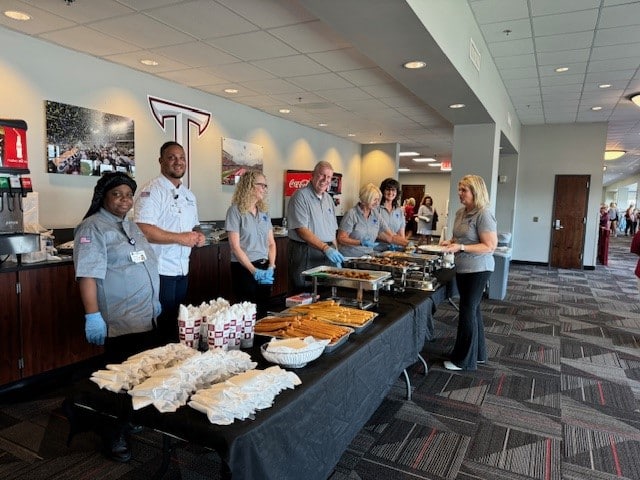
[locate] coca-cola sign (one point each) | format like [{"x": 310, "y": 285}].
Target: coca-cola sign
[{"x": 296, "y": 179}]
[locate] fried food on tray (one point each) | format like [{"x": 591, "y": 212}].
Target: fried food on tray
[
  {"x": 300, "y": 326},
  {"x": 332, "y": 312}
]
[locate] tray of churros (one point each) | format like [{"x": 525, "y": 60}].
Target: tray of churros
[
  {"x": 301, "y": 326},
  {"x": 332, "y": 312}
]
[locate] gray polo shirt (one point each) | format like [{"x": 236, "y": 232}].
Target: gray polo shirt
[
  {"x": 358, "y": 227},
  {"x": 127, "y": 291},
  {"x": 253, "y": 231},
  {"x": 307, "y": 210},
  {"x": 466, "y": 230}
]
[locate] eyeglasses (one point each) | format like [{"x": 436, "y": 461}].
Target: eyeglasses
[{"x": 263, "y": 185}]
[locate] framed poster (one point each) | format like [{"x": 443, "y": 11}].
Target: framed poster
[
  {"x": 82, "y": 141},
  {"x": 296, "y": 179},
  {"x": 237, "y": 158}
]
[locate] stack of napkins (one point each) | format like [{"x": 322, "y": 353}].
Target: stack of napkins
[
  {"x": 242, "y": 395},
  {"x": 169, "y": 389},
  {"x": 137, "y": 368}
]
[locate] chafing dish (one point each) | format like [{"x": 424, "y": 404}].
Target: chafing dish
[
  {"x": 398, "y": 267},
  {"x": 360, "y": 280}
]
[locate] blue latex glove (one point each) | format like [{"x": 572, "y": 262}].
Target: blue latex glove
[
  {"x": 269, "y": 278},
  {"x": 395, "y": 248},
  {"x": 366, "y": 242},
  {"x": 334, "y": 256},
  {"x": 95, "y": 328},
  {"x": 262, "y": 276}
]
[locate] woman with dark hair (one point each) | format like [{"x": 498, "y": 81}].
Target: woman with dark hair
[
  {"x": 474, "y": 239},
  {"x": 427, "y": 218},
  {"x": 118, "y": 278},
  {"x": 391, "y": 212},
  {"x": 253, "y": 247}
]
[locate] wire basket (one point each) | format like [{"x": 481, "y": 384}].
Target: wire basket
[{"x": 293, "y": 359}]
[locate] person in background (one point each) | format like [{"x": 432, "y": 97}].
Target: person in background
[
  {"x": 253, "y": 247},
  {"x": 391, "y": 212},
  {"x": 629, "y": 216},
  {"x": 117, "y": 273},
  {"x": 312, "y": 224},
  {"x": 604, "y": 216},
  {"x": 166, "y": 212},
  {"x": 635, "y": 248},
  {"x": 613, "y": 218},
  {"x": 363, "y": 224},
  {"x": 474, "y": 240},
  {"x": 426, "y": 219},
  {"x": 409, "y": 217}
]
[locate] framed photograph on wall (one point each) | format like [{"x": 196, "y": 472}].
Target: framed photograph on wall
[
  {"x": 237, "y": 158},
  {"x": 82, "y": 141}
]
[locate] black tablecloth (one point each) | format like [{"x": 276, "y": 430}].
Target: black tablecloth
[{"x": 307, "y": 429}]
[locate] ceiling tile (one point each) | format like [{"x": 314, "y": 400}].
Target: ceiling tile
[
  {"x": 565, "y": 22},
  {"x": 561, "y": 80},
  {"x": 272, "y": 86},
  {"x": 574, "y": 69},
  {"x": 550, "y": 7},
  {"x": 93, "y": 42},
  {"x": 274, "y": 13},
  {"x": 616, "y": 51},
  {"x": 323, "y": 80},
  {"x": 193, "y": 77},
  {"x": 614, "y": 77},
  {"x": 517, "y": 61},
  {"x": 491, "y": 11},
  {"x": 613, "y": 64},
  {"x": 132, "y": 60},
  {"x": 496, "y": 32},
  {"x": 196, "y": 54},
  {"x": 615, "y": 36},
  {"x": 511, "y": 47},
  {"x": 41, "y": 20},
  {"x": 310, "y": 37},
  {"x": 620, "y": 15},
  {"x": 202, "y": 19},
  {"x": 343, "y": 94},
  {"x": 82, "y": 12},
  {"x": 240, "y": 72},
  {"x": 253, "y": 46},
  {"x": 563, "y": 57},
  {"x": 292, "y": 66},
  {"x": 573, "y": 41},
  {"x": 142, "y": 31},
  {"x": 514, "y": 73},
  {"x": 343, "y": 59}
]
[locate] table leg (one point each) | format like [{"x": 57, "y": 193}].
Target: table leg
[
  {"x": 424, "y": 363},
  {"x": 408, "y": 382}
]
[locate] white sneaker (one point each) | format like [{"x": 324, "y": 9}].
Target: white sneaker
[{"x": 451, "y": 366}]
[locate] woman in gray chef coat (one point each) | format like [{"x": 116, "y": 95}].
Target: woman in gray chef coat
[{"x": 118, "y": 278}]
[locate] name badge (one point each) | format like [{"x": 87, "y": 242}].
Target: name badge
[{"x": 138, "y": 257}]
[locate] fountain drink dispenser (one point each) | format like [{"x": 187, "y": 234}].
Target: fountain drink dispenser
[{"x": 14, "y": 186}]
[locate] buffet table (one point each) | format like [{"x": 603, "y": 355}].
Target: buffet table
[{"x": 307, "y": 429}]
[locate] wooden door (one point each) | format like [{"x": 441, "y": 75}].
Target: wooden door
[
  {"x": 412, "y": 191},
  {"x": 10, "y": 350},
  {"x": 569, "y": 220}
]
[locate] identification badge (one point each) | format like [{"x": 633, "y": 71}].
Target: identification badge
[{"x": 138, "y": 257}]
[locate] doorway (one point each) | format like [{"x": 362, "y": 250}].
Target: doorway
[
  {"x": 570, "y": 202},
  {"x": 412, "y": 191}
]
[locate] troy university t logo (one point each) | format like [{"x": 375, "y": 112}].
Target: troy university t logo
[{"x": 183, "y": 116}]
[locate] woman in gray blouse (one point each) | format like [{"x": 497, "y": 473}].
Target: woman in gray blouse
[{"x": 474, "y": 239}]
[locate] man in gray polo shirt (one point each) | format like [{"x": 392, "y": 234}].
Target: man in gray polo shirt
[{"x": 312, "y": 223}]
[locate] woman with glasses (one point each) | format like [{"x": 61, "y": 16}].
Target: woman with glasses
[
  {"x": 391, "y": 212},
  {"x": 253, "y": 247}
]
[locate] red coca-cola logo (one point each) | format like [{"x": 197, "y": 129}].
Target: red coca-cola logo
[{"x": 295, "y": 184}]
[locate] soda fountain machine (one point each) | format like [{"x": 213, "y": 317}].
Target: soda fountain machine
[{"x": 14, "y": 186}]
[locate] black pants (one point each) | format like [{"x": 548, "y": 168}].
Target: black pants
[
  {"x": 302, "y": 257},
  {"x": 173, "y": 291},
  {"x": 247, "y": 289}
]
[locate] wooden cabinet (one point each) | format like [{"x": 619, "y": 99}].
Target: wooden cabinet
[
  {"x": 282, "y": 261},
  {"x": 42, "y": 322},
  {"x": 10, "y": 348},
  {"x": 52, "y": 319}
]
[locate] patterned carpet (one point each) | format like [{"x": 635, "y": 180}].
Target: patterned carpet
[{"x": 558, "y": 399}]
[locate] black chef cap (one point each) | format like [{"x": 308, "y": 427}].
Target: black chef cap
[{"x": 108, "y": 181}]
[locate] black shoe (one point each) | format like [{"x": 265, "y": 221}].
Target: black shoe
[
  {"x": 133, "y": 429},
  {"x": 119, "y": 449}
]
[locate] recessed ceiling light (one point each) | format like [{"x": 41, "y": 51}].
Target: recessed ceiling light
[
  {"x": 604, "y": 85},
  {"x": 595, "y": 109},
  {"x": 284, "y": 110},
  {"x": 404, "y": 170},
  {"x": 424, "y": 160},
  {"x": 604, "y": 169},
  {"x": 16, "y": 15},
  {"x": 414, "y": 64},
  {"x": 457, "y": 105},
  {"x": 351, "y": 134},
  {"x": 561, "y": 69},
  {"x": 230, "y": 90},
  {"x": 149, "y": 62},
  {"x": 437, "y": 164},
  {"x": 408, "y": 154},
  {"x": 323, "y": 124},
  {"x": 635, "y": 98}
]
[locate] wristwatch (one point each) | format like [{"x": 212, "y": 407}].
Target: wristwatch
[{"x": 462, "y": 247}]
